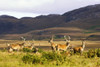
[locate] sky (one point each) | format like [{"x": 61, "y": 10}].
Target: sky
[{"x": 32, "y": 8}]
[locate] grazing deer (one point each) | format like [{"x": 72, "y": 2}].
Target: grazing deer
[
  {"x": 53, "y": 45},
  {"x": 64, "y": 47},
  {"x": 16, "y": 46},
  {"x": 80, "y": 49}
]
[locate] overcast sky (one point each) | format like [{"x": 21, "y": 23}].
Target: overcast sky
[{"x": 32, "y": 8}]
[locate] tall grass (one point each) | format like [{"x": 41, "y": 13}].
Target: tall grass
[{"x": 47, "y": 59}]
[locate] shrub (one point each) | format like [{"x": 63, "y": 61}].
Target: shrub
[
  {"x": 98, "y": 52},
  {"x": 27, "y": 58},
  {"x": 36, "y": 59},
  {"x": 26, "y": 50},
  {"x": 53, "y": 56},
  {"x": 40, "y": 50},
  {"x": 45, "y": 58},
  {"x": 31, "y": 59},
  {"x": 4, "y": 50},
  {"x": 91, "y": 53}
]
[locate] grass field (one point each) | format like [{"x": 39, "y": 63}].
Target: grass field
[{"x": 15, "y": 59}]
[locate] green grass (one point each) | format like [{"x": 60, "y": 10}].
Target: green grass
[{"x": 15, "y": 60}]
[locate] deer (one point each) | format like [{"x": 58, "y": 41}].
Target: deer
[
  {"x": 30, "y": 47},
  {"x": 53, "y": 45},
  {"x": 17, "y": 46},
  {"x": 79, "y": 49},
  {"x": 64, "y": 47}
]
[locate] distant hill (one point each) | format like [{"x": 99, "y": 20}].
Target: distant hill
[{"x": 74, "y": 23}]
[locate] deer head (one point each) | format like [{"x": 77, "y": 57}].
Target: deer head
[
  {"x": 67, "y": 40},
  {"x": 51, "y": 40}
]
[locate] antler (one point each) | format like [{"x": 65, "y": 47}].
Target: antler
[
  {"x": 23, "y": 38},
  {"x": 52, "y": 37},
  {"x": 66, "y": 38},
  {"x": 69, "y": 37}
]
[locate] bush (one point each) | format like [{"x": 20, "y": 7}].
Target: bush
[
  {"x": 98, "y": 52},
  {"x": 40, "y": 50},
  {"x": 91, "y": 53},
  {"x": 53, "y": 56},
  {"x": 31, "y": 59},
  {"x": 45, "y": 58},
  {"x": 26, "y": 50},
  {"x": 27, "y": 58},
  {"x": 4, "y": 50}
]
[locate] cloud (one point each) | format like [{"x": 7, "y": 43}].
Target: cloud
[
  {"x": 21, "y": 4},
  {"x": 61, "y": 6},
  {"x": 43, "y": 6},
  {"x": 18, "y": 14}
]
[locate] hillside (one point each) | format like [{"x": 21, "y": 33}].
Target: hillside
[{"x": 74, "y": 23}]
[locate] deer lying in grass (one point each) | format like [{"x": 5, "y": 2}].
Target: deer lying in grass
[
  {"x": 16, "y": 46},
  {"x": 80, "y": 49},
  {"x": 64, "y": 47},
  {"x": 30, "y": 47},
  {"x": 53, "y": 45}
]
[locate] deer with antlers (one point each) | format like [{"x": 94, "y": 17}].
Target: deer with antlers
[
  {"x": 53, "y": 45},
  {"x": 80, "y": 49},
  {"x": 64, "y": 47},
  {"x": 30, "y": 47}
]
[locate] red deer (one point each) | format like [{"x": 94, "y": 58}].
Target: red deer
[
  {"x": 16, "y": 46},
  {"x": 53, "y": 45},
  {"x": 64, "y": 47},
  {"x": 79, "y": 49}
]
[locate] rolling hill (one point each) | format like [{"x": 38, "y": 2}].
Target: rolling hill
[{"x": 75, "y": 23}]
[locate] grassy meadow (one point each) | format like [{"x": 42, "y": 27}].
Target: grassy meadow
[{"x": 47, "y": 58}]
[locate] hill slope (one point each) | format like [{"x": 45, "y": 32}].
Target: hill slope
[{"x": 86, "y": 19}]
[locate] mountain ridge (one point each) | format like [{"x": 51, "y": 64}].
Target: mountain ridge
[{"x": 85, "y": 18}]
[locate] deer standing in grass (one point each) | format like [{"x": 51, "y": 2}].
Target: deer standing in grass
[
  {"x": 53, "y": 45},
  {"x": 64, "y": 47},
  {"x": 16, "y": 46},
  {"x": 80, "y": 49}
]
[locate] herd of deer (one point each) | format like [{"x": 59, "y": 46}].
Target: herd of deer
[
  {"x": 20, "y": 46},
  {"x": 55, "y": 47},
  {"x": 64, "y": 47}
]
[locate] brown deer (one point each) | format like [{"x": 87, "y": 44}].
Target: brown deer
[
  {"x": 53, "y": 45},
  {"x": 30, "y": 47},
  {"x": 64, "y": 47},
  {"x": 79, "y": 49},
  {"x": 16, "y": 46}
]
